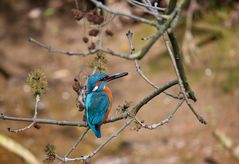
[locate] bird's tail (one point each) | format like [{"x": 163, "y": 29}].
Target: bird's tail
[{"x": 96, "y": 130}]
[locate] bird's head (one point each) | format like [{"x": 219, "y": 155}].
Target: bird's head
[{"x": 98, "y": 81}]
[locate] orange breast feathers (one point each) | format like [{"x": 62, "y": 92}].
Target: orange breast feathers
[{"x": 109, "y": 94}]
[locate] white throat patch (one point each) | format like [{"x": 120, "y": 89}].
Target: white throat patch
[{"x": 95, "y": 89}]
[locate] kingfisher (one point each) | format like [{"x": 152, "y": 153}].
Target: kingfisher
[{"x": 98, "y": 101}]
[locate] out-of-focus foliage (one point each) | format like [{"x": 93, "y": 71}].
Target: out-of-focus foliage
[{"x": 217, "y": 3}]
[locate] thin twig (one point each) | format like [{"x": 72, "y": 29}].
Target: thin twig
[
  {"x": 129, "y": 35},
  {"x": 59, "y": 122},
  {"x": 140, "y": 54},
  {"x": 108, "y": 21},
  {"x": 90, "y": 155},
  {"x": 77, "y": 4},
  {"x": 100, "y": 38},
  {"x": 143, "y": 8},
  {"x": 140, "y": 72},
  {"x": 113, "y": 11},
  {"x": 70, "y": 53},
  {"x": 165, "y": 121},
  {"x": 44, "y": 121},
  {"x": 182, "y": 88},
  {"x": 33, "y": 119},
  {"x": 147, "y": 37},
  {"x": 147, "y": 6},
  {"x": 155, "y": 93},
  {"x": 171, "y": 6},
  {"x": 176, "y": 53},
  {"x": 55, "y": 50},
  {"x": 76, "y": 143}
]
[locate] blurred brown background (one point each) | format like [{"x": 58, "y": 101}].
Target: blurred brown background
[{"x": 210, "y": 49}]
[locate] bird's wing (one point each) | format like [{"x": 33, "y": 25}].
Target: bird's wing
[{"x": 97, "y": 104}]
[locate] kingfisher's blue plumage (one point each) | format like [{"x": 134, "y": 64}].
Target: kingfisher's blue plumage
[
  {"x": 93, "y": 79},
  {"x": 97, "y": 106},
  {"x": 98, "y": 100},
  {"x": 97, "y": 103}
]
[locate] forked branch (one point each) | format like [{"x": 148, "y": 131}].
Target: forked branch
[{"x": 33, "y": 119}]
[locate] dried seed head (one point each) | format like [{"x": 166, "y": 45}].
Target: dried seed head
[
  {"x": 94, "y": 32},
  {"x": 50, "y": 153},
  {"x": 79, "y": 105},
  {"x": 136, "y": 126},
  {"x": 100, "y": 62},
  {"x": 90, "y": 16},
  {"x": 37, "y": 81},
  {"x": 98, "y": 20},
  {"x": 94, "y": 18},
  {"x": 78, "y": 83},
  {"x": 77, "y": 14},
  {"x": 85, "y": 39},
  {"x": 37, "y": 126},
  {"x": 80, "y": 88},
  {"x": 123, "y": 108},
  {"x": 109, "y": 33},
  {"x": 76, "y": 87}
]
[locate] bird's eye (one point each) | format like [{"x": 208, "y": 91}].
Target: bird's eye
[{"x": 95, "y": 89}]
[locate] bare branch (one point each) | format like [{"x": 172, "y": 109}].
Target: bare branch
[
  {"x": 113, "y": 11},
  {"x": 139, "y": 4},
  {"x": 148, "y": 8},
  {"x": 141, "y": 7},
  {"x": 178, "y": 63},
  {"x": 86, "y": 53},
  {"x": 178, "y": 67},
  {"x": 165, "y": 121},
  {"x": 139, "y": 55},
  {"x": 59, "y": 122},
  {"x": 76, "y": 143},
  {"x": 90, "y": 155},
  {"x": 77, "y": 4},
  {"x": 151, "y": 8},
  {"x": 140, "y": 72},
  {"x": 44, "y": 121},
  {"x": 54, "y": 50},
  {"x": 100, "y": 38},
  {"x": 171, "y": 6},
  {"x": 142, "y": 52},
  {"x": 33, "y": 119},
  {"x": 108, "y": 21},
  {"x": 129, "y": 35},
  {"x": 155, "y": 93}
]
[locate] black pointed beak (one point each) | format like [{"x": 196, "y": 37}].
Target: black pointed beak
[{"x": 114, "y": 76}]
